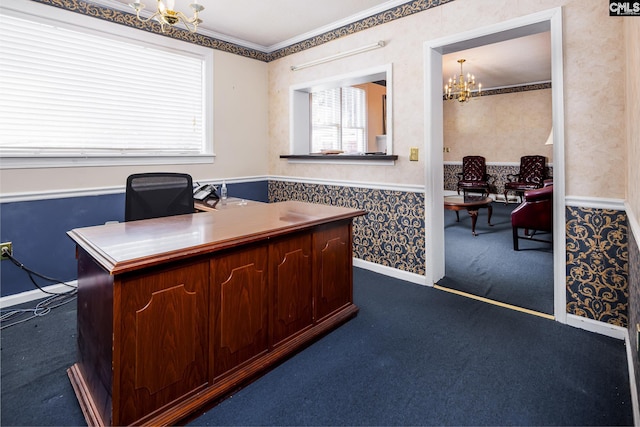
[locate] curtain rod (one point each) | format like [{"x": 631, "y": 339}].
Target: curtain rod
[{"x": 356, "y": 51}]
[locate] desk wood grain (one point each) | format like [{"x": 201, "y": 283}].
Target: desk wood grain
[{"x": 174, "y": 313}]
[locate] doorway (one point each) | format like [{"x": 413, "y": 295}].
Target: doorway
[{"x": 551, "y": 21}]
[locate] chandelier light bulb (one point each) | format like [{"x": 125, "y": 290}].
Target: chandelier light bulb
[
  {"x": 168, "y": 17},
  {"x": 460, "y": 88}
]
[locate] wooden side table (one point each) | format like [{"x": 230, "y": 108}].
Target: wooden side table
[{"x": 471, "y": 204}]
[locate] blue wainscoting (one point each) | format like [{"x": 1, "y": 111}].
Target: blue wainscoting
[{"x": 38, "y": 231}]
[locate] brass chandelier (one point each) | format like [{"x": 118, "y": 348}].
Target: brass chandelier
[
  {"x": 461, "y": 88},
  {"x": 167, "y": 16}
]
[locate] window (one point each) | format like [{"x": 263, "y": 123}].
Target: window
[
  {"x": 72, "y": 93},
  {"x": 351, "y": 113},
  {"x": 339, "y": 120}
]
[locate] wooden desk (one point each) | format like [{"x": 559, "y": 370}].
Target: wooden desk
[
  {"x": 175, "y": 313},
  {"x": 217, "y": 204}
]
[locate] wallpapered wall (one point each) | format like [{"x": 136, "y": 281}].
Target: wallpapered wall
[
  {"x": 597, "y": 264},
  {"x": 498, "y": 172},
  {"x": 391, "y": 234},
  {"x": 501, "y": 125}
]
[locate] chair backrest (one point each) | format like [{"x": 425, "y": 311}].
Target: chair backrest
[
  {"x": 532, "y": 169},
  {"x": 474, "y": 168},
  {"x": 158, "y": 194}
]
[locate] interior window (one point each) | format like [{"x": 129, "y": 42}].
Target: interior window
[
  {"x": 339, "y": 120},
  {"x": 349, "y": 114}
]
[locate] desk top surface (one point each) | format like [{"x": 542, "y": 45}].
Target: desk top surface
[{"x": 128, "y": 246}]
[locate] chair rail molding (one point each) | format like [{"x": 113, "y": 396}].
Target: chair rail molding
[
  {"x": 410, "y": 188},
  {"x": 64, "y": 193}
]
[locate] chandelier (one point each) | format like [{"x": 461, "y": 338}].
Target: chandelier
[
  {"x": 167, "y": 16},
  {"x": 461, "y": 88}
]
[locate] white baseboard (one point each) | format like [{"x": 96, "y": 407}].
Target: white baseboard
[
  {"x": 391, "y": 272},
  {"x": 34, "y": 295},
  {"x": 632, "y": 381},
  {"x": 601, "y": 328}
]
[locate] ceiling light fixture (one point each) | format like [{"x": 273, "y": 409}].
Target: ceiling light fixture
[
  {"x": 461, "y": 88},
  {"x": 167, "y": 16}
]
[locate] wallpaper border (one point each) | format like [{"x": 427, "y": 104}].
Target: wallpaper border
[{"x": 129, "y": 19}]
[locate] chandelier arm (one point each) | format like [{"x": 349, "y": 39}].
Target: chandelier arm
[
  {"x": 145, "y": 20},
  {"x": 169, "y": 17}
]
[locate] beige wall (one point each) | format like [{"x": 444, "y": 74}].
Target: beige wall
[
  {"x": 632, "y": 36},
  {"x": 595, "y": 147},
  {"x": 375, "y": 126},
  {"x": 240, "y": 138},
  {"x": 502, "y": 128}
]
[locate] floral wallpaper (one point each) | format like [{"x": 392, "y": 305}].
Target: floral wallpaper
[
  {"x": 498, "y": 172},
  {"x": 391, "y": 234},
  {"x": 597, "y": 264},
  {"x": 130, "y": 20}
]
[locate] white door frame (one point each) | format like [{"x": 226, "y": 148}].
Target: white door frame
[{"x": 550, "y": 20}]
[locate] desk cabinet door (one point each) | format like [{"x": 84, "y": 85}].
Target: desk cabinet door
[
  {"x": 240, "y": 308},
  {"x": 291, "y": 282},
  {"x": 163, "y": 333},
  {"x": 332, "y": 267}
]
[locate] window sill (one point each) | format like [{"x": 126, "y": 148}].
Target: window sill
[
  {"x": 35, "y": 162},
  {"x": 377, "y": 159}
]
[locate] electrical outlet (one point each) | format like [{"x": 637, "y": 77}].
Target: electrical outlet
[
  {"x": 413, "y": 156},
  {"x": 9, "y": 248}
]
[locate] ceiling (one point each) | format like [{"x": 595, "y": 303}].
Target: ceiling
[{"x": 271, "y": 25}]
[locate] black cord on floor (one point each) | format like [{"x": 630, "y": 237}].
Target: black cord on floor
[{"x": 56, "y": 299}]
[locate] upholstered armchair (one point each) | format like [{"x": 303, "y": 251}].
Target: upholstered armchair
[
  {"x": 534, "y": 214},
  {"x": 474, "y": 177},
  {"x": 533, "y": 172}
]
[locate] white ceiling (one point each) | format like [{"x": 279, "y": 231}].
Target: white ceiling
[{"x": 270, "y": 25}]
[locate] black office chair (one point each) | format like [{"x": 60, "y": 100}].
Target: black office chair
[{"x": 158, "y": 194}]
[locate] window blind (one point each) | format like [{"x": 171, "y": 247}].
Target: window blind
[
  {"x": 68, "y": 92},
  {"x": 338, "y": 118}
]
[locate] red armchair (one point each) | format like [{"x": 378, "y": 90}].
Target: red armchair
[
  {"x": 535, "y": 213},
  {"x": 533, "y": 172},
  {"x": 474, "y": 177}
]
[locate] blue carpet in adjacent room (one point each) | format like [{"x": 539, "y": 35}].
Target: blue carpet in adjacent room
[{"x": 487, "y": 266}]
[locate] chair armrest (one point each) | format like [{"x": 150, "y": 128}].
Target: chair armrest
[
  {"x": 539, "y": 194},
  {"x": 490, "y": 179}
]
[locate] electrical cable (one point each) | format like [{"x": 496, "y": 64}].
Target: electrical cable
[
  {"x": 56, "y": 299},
  {"x": 32, "y": 273}
]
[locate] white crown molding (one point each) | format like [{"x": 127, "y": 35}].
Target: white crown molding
[
  {"x": 112, "y": 4},
  {"x": 337, "y": 24}
]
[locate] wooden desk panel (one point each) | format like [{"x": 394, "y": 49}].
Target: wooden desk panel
[{"x": 174, "y": 313}]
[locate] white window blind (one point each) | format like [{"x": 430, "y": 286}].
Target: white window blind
[
  {"x": 68, "y": 92},
  {"x": 338, "y": 120}
]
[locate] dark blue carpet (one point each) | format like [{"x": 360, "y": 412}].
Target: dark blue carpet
[
  {"x": 413, "y": 356},
  {"x": 419, "y": 356},
  {"x": 487, "y": 265}
]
